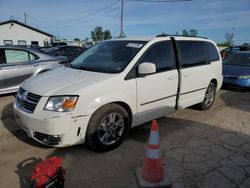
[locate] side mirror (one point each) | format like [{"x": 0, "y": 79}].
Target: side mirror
[{"x": 146, "y": 68}]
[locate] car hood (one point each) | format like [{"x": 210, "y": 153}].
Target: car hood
[
  {"x": 236, "y": 70},
  {"x": 63, "y": 81}
]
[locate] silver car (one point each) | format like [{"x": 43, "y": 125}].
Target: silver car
[{"x": 20, "y": 63}]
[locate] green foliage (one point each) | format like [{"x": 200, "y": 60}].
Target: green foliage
[
  {"x": 191, "y": 32},
  {"x": 223, "y": 44},
  {"x": 185, "y": 32},
  {"x": 162, "y": 35},
  {"x": 77, "y": 39},
  {"x": 98, "y": 34}
]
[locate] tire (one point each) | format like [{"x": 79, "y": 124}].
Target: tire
[
  {"x": 107, "y": 128},
  {"x": 208, "y": 98}
]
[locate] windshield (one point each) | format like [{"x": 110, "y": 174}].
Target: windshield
[
  {"x": 238, "y": 59},
  {"x": 108, "y": 56},
  {"x": 50, "y": 50}
]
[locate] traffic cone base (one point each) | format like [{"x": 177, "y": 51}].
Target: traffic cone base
[{"x": 166, "y": 182}]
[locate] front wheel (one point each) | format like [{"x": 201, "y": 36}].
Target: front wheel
[
  {"x": 107, "y": 127},
  {"x": 209, "y": 97}
]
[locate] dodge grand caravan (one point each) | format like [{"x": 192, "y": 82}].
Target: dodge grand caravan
[{"x": 116, "y": 85}]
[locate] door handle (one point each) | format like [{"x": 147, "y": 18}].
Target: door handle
[{"x": 172, "y": 77}]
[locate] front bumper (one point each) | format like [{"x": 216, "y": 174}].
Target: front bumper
[
  {"x": 239, "y": 83},
  {"x": 51, "y": 128}
]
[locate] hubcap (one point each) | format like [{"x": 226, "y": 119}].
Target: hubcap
[
  {"x": 111, "y": 128},
  {"x": 209, "y": 97}
]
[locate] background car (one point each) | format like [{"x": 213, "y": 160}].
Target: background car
[
  {"x": 71, "y": 52},
  {"x": 19, "y": 63},
  {"x": 232, "y": 49},
  {"x": 236, "y": 70}
]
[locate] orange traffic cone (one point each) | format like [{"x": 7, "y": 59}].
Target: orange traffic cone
[
  {"x": 152, "y": 169},
  {"x": 152, "y": 172}
]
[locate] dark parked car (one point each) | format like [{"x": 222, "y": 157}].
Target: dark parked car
[
  {"x": 236, "y": 70},
  {"x": 232, "y": 49},
  {"x": 19, "y": 63},
  {"x": 71, "y": 52}
]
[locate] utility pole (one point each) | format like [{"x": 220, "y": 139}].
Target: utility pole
[
  {"x": 25, "y": 18},
  {"x": 121, "y": 29}
]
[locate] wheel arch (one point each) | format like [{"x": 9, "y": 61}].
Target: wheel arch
[{"x": 214, "y": 81}]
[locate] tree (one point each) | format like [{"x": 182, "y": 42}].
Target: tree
[
  {"x": 229, "y": 38},
  {"x": 98, "y": 34},
  {"x": 185, "y": 32},
  {"x": 193, "y": 32},
  {"x": 76, "y": 39},
  {"x": 162, "y": 35}
]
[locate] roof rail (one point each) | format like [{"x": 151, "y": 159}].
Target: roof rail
[{"x": 169, "y": 35}]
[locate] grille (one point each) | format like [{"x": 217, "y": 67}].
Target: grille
[
  {"x": 26, "y": 101},
  {"x": 48, "y": 139}
]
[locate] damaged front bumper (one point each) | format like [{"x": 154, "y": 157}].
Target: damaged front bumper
[{"x": 53, "y": 128}]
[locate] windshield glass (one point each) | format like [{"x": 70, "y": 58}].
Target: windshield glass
[
  {"x": 238, "y": 59},
  {"x": 108, "y": 56},
  {"x": 50, "y": 50}
]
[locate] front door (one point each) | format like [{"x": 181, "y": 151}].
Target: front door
[{"x": 156, "y": 93}]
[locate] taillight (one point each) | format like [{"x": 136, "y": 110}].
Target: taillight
[{"x": 65, "y": 63}]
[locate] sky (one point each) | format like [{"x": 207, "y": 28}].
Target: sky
[{"x": 69, "y": 19}]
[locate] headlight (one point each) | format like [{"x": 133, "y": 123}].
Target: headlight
[
  {"x": 61, "y": 103},
  {"x": 245, "y": 77}
]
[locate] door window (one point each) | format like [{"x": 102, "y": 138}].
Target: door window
[
  {"x": 192, "y": 53},
  {"x": 161, "y": 55},
  {"x": 32, "y": 57},
  {"x": 16, "y": 56}
]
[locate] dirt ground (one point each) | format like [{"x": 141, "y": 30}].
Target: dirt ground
[{"x": 200, "y": 149}]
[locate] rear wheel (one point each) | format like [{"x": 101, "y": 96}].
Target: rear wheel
[
  {"x": 209, "y": 97},
  {"x": 107, "y": 127}
]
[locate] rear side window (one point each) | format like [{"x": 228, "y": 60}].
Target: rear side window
[
  {"x": 32, "y": 57},
  {"x": 161, "y": 55},
  {"x": 194, "y": 53},
  {"x": 16, "y": 56},
  {"x": 213, "y": 54}
]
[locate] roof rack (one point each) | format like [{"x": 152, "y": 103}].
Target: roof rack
[{"x": 169, "y": 35}]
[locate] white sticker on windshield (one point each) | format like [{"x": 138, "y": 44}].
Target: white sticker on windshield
[{"x": 134, "y": 45}]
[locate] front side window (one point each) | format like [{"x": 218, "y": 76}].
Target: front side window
[
  {"x": 161, "y": 55},
  {"x": 16, "y": 56},
  {"x": 108, "y": 56}
]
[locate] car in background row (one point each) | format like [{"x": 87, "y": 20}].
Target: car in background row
[
  {"x": 17, "y": 64},
  {"x": 232, "y": 49},
  {"x": 71, "y": 52},
  {"x": 236, "y": 70}
]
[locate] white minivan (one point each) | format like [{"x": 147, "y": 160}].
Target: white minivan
[{"x": 116, "y": 85}]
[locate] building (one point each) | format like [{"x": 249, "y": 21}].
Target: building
[{"x": 13, "y": 32}]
